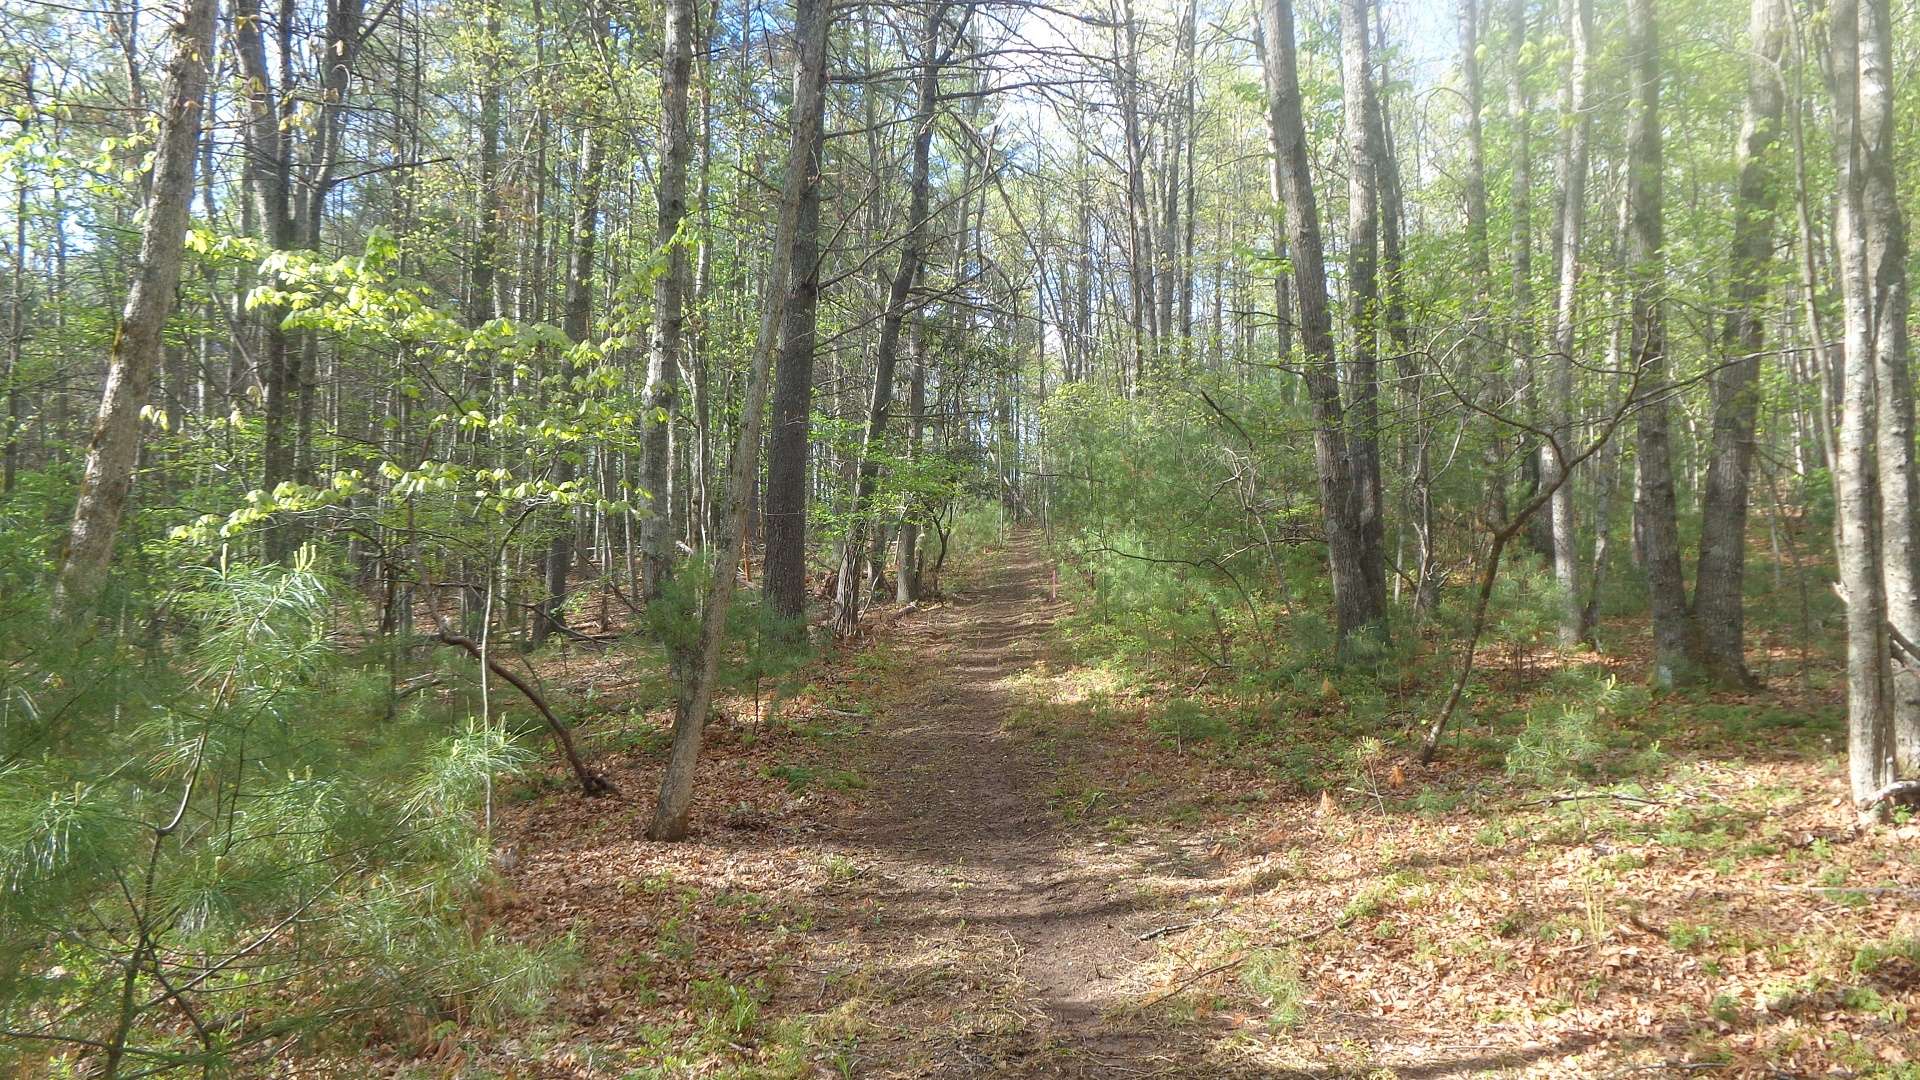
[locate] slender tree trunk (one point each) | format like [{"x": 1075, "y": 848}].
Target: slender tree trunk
[
  {"x": 270, "y": 176},
  {"x": 907, "y": 553},
  {"x": 576, "y": 320},
  {"x": 107, "y": 476},
  {"x": 1358, "y": 607},
  {"x": 669, "y": 292},
  {"x": 1282, "y": 283},
  {"x": 16, "y": 315},
  {"x": 1523, "y": 335},
  {"x": 1578, "y": 17},
  {"x": 886, "y": 351},
  {"x": 670, "y": 817},
  {"x": 1478, "y": 334},
  {"x": 1719, "y": 606}
]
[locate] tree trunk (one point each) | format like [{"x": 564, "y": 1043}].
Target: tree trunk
[
  {"x": 886, "y": 353},
  {"x": 576, "y": 320},
  {"x": 1858, "y": 489},
  {"x": 1673, "y": 633},
  {"x": 670, "y": 817},
  {"x": 1359, "y": 608},
  {"x": 107, "y": 476},
  {"x": 1573, "y": 203},
  {"x": 1719, "y": 606},
  {"x": 1885, "y": 232},
  {"x": 1364, "y": 160},
  {"x": 784, "y": 577},
  {"x": 907, "y": 553},
  {"x": 669, "y": 293},
  {"x": 1480, "y": 266}
]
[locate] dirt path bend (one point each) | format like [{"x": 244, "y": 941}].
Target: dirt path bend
[{"x": 998, "y": 942}]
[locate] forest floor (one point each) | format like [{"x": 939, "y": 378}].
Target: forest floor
[{"x": 951, "y": 854}]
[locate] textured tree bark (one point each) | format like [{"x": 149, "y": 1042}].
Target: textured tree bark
[
  {"x": 669, "y": 298},
  {"x": 1719, "y": 606},
  {"x": 1358, "y": 607},
  {"x": 1365, "y": 155},
  {"x": 1885, "y": 231},
  {"x": 1578, "y": 17},
  {"x": 784, "y": 579},
  {"x": 671, "y": 813},
  {"x": 1139, "y": 231},
  {"x": 1673, "y": 633},
  {"x": 107, "y": 476},
  {"x": 1857, "y": 487},
  {"x": 913, "y": 249}
]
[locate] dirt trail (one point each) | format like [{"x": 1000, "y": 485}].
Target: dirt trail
[{"x": 1009, "y": 936}]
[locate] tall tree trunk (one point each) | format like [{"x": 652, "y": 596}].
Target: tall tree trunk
[
  {"x": 107, "y": 476},
  {"x": 1282, "y": 283},
  {"x": 1885, "y": 229},
  {"x": 669, "y": 293},
  {"x": 670, "y": 817},
  {"x": 784, "y": 578},
  {"x": 1577, "y": 124},
  {"x": 1719, "y": 606},
  {"x": 16, "y": 314},
  {"x": 1358, "y": 606},
  {"x": 1523, "y": 336},
  {"x": 907, "y": 552},
  {"x": 886, "y": 352},
  {"x": 1860, "y": 233},
  {"x": 1364, "y": 158},
  {"x": 1139, "y": 232},
  {"x": 1477, "y": 332},
  {"x": 1673, "y": 633},
  {"x": 270, "y": 176},
  {"x": 576, "y": 320}
]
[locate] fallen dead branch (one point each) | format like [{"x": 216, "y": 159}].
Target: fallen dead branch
[
  {"x": 592, "y": 784},
  {"x": 1240, "y": 957}
]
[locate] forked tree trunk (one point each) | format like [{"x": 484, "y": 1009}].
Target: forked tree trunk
[
  {"x": 107, "y": 476},
  {"x": 670, "y": 816}
]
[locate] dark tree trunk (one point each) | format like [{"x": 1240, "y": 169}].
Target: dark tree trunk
[{"x": 784, "y": 577}]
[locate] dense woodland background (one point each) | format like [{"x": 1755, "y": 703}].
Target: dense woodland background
[{"x": 1336, "y": 350}]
